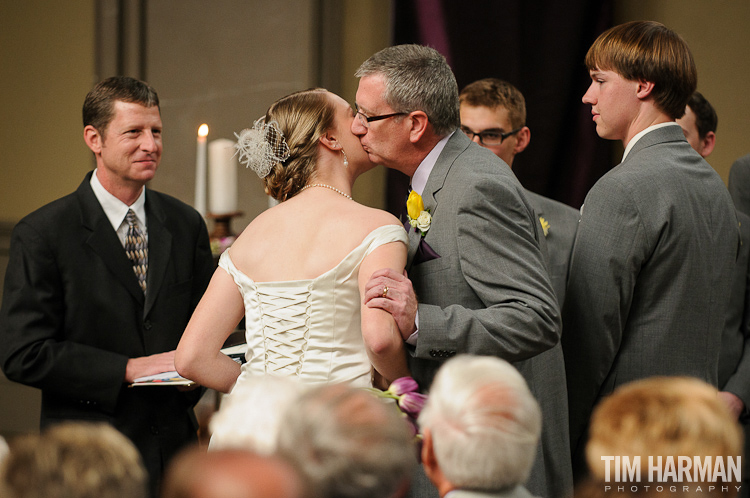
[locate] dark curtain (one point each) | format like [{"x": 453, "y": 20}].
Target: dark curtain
[{"x": 539, "y": 47}]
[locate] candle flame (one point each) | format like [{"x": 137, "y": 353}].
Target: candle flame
[{"x": 203, "y": 130}]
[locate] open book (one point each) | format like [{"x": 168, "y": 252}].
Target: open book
[{"x": 237, "y": 353}]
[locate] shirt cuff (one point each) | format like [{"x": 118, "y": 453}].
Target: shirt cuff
[{"x": 412, "y": 340}]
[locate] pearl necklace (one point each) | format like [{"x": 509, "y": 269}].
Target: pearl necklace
[{"x": 328, "y": 187}]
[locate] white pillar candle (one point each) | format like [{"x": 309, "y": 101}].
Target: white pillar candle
[
  {"x": 222, "y": 176},
  {"x": 200, "y": 171}
]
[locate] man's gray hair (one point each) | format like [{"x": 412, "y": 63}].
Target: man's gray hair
[
  {"x": 261, "y": 400},
  {"x": 417, "y": 78},
  {"x": 348, "y": 443},
  {"x": 484, "y": 422}
]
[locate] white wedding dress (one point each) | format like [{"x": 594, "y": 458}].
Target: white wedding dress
[{"x": 309, "y": 329}]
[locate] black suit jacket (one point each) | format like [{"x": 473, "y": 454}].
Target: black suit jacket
[{"x": 73, "y": 314}]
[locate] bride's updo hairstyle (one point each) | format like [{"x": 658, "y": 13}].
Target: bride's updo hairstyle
[{"x": 302, "y": 117}]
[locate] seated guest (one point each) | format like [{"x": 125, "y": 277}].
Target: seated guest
[
  {"x": 664, "y": 417},
  {"x": 230, "y": 474},
  {"x": 249, "y": 419},
  {"x": 481, "y": 426},
  {"x": 348, "y": 443},
  {"x": 73, "y": 460}
]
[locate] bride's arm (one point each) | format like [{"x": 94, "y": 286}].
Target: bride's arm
[
  {"x": 383, "y": 341},
  {"x": 198, "y": 356}
]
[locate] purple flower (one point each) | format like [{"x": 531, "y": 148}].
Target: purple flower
[
  {"x": 403, "y": 385},
  {"x": 412, "y": 403}
]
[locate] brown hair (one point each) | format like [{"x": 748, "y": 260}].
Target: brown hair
[
  {"x": 648, "y": 50},
  {"x": 417, "y": 78},
  {"x": 98, "y": 107},
  {"x": 705, "y": 114},
  {"x": 303, "y": 117},
  {"x": 494, "y": 93},
  {"x": 86, "y": 460}
]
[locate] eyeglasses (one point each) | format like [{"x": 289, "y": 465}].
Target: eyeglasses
[
  {"x": 490, "y": 137},
  {"x": 366, "y": 120}
]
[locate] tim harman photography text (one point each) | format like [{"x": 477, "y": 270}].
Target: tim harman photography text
[{"x": 667, "y": 472}]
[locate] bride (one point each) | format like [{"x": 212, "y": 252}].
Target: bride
[{"x": 297, "y": 272}]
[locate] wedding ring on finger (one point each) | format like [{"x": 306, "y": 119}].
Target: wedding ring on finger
[{"x": 385, "y": 291}]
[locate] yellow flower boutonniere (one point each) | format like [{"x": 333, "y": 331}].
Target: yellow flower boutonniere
[
  {"x": 419, "y": 218},
  {"x": 545, "y": 225}
]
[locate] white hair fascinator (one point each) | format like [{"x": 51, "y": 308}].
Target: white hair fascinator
[{"x": 261, "y": 146}]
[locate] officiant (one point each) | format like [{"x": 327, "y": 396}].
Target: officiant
[{"x": 101, "y": 284}]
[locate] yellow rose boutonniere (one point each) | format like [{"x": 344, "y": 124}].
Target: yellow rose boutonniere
[
  {"x": 419, "y": 218},
  {"x": 545, "y": 225}
]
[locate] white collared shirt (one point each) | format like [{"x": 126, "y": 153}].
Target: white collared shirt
[
  {"x": 419, "y": 180},
  {"x": 640, "y": 135},
  {"x": 116, "y": 210}
]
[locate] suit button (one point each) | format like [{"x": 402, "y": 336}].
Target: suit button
[
  {"x": 154, "y": 430},
  {"x": 433, "y": 353},
  {"x": 147, "y": 325}
]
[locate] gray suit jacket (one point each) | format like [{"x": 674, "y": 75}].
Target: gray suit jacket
[
  {"x": 545, "y": 372},
  {"x": 734, "y": 359},
  {"x": 563, "y": 223},
  {"x": 650, "y": 275},
  {"x": 489, "y": 291},
  {"x": 739, "y": 184}
]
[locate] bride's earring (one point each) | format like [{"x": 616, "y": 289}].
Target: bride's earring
[{"x": 346, "y": 161}]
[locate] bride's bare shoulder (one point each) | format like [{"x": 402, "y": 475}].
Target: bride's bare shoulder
[{"x": 377, "y": 217}]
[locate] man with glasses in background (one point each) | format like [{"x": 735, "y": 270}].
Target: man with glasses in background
[
  {"x": 475, "y": 247},
  {"x": 493, "y": 114}
]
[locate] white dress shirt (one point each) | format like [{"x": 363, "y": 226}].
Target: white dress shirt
[{"x": 116, "y": 210}]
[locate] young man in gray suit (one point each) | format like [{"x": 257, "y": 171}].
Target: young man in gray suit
[
  {"x": 493, "y": 114},
  {"x": 474, "y": 257},
  {"x": 76, "y": 320},
  {"x": 652, "y": 264}
]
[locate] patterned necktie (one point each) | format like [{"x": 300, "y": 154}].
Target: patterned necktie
[{"x": 136, "y": 249}]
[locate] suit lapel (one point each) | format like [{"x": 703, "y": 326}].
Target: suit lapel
[
  {"x": 414, "y": 239},
  {"x": 104, "y": 242},
  {"x": 159, "y": 249},
  {"x": 456, "y": 144}
]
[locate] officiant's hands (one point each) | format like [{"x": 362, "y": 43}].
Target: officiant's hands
[
  {"x": 392, "y": 291},
  {"x": 149, "y": 365}
]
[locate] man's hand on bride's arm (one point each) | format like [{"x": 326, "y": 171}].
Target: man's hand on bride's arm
[{"x": 392, "y": 291}]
